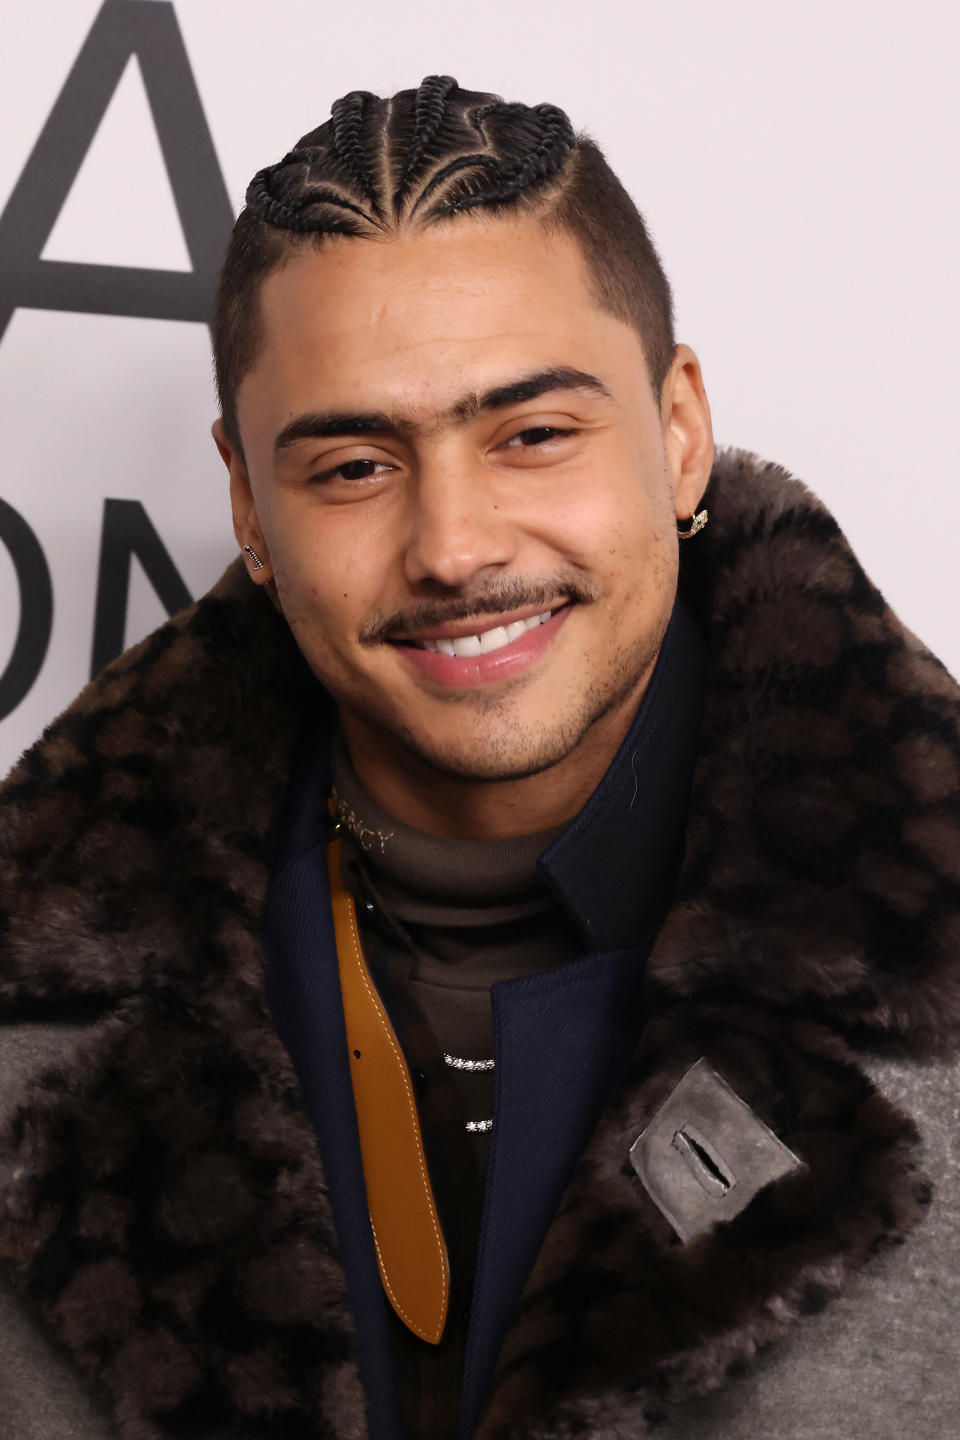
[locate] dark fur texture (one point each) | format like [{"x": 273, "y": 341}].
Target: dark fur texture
[{"x": 161, "y": 1199}]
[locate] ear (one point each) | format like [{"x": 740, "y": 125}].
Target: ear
[
  {"x": 246, "y": 524},
  {"x": 687, "y": 431}
]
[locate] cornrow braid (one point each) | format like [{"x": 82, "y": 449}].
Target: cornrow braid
[
  {"x": 553, "y": 148},
  {"x": 347, "y": 115},
  {"x": 543, "y": 161},
  {"x": 263, "y": 200},
  {"x": 462, "y": 164},
  {"x": 425, "y": 156},
  {"x": 429, "y": 106}
]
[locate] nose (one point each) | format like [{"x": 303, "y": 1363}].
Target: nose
[{"x": 458, "y": 528}]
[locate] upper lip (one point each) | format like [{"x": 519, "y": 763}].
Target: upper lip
[{"x": 475, "y": 625}]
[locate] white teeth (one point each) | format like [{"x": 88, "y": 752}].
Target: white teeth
[
  {"x": 468, "y": 646},
  {"x": 494, "y": 639}
]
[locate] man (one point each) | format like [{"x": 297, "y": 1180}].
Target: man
[{"x": 473, "y": 974}]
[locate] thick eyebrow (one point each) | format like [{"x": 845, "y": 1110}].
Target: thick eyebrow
[
  {"x": 326, "y": 425},
  {"x": 531, "y": 387}
]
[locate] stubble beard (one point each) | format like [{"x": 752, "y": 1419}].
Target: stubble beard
[{"x": 502, "y": 747}]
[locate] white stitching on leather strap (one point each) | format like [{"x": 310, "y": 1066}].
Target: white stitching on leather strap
[{"x": 358, "y": 951}]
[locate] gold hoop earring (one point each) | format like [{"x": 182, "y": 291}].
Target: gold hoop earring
[{"x": 697, "y": 523}]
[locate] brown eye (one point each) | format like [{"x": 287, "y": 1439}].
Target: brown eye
[
  {"x": 537, "y": 435},
  {"x": 352, "y": 470},
  {"x": 357, "y": 469}
]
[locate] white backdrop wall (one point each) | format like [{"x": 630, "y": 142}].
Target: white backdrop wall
[{"x": 797, "y": 164}]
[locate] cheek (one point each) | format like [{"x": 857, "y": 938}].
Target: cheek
[
  {"x": 319, "y": 558},
  {"x": 610, "y": 528},
  {"x": 318, "y": 590},
  {"x": 332, "y": 576},
  {"x": 636, "y": 559}
]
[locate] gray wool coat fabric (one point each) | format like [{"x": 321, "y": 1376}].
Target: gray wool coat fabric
[{"x": 168, "y": 1263}]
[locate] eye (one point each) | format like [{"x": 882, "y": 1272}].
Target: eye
[
  {"x": 352, "y": 470},
  {"x": 536, "y": 435}
]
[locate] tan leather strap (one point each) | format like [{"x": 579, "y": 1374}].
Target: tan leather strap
[{"x": 411, "y": 1250}]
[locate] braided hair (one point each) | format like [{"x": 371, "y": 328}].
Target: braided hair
[{"x": 379, "y": 166}]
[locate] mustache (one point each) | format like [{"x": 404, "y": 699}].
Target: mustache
[{"x": 516, "y": 594}]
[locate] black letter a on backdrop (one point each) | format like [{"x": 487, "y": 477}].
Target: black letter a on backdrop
[{"x": 149, "y": 30}]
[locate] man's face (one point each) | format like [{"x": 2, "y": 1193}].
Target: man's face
[{"x": 465, "y": 490}]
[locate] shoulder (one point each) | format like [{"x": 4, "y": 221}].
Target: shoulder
[{"x": 881, "y": 1359}]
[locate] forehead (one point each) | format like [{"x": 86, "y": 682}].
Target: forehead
[{"x": 412, "y": 321}]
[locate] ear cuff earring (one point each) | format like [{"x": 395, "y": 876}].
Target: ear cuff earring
[
  {"x": 257, "y": 562},
  {"x": 697, "y": 523}
]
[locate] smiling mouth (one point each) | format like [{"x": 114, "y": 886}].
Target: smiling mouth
[{"x": 483, "y": 642}]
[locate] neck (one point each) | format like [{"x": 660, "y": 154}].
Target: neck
[{"x": 426, "y": 797}]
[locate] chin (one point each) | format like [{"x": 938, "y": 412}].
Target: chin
[
  {"x": 491, "y": 766},
  {"x": 505, "y": 751},
  {"x": 494, "y": 741}
]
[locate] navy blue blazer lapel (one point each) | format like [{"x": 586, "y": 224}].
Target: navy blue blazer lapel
[{"x": 563, "y": 1040}]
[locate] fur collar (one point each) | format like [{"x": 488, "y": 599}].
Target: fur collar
[{"x": 161, "y": 1199}]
